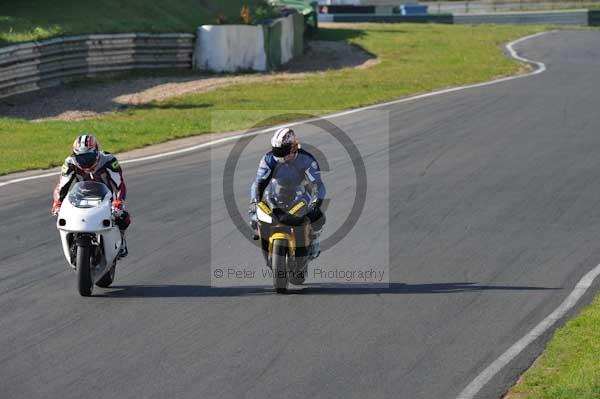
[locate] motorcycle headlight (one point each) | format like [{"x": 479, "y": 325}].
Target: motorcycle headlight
[{"x": 262, "y": 216}]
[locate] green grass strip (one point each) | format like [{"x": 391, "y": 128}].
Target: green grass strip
[
  {"x": 569, "y": 368},
  {"x": 28, "y": 20}
]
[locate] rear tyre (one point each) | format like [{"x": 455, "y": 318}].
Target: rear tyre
[
  {"x": 297, "y": 277},
  {"x": 280, "y": 252},
  {"x": 84, "y": 274},
  {"x": 108, "y": 278}
]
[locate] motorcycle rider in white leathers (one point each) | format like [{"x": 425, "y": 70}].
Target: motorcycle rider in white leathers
[{"x": 88, "y": 162}]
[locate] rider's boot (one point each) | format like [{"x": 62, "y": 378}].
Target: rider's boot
[
  {"x": 315, "y": 247},
  {"x": 123, "y": 252}
]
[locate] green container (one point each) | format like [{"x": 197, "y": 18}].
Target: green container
[
  {"x": 308, "y": 8},
  {"x": 298, "y": 35},
  {"x": 272, "y": 34}
]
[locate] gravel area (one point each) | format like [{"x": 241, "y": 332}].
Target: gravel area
[{"x": 85, "y": 100}]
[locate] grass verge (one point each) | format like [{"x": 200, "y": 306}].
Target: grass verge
[
  {"x": 27, "y": 20},
  {"x": 570, "y": 366},
  {"x": 414, "y": 58}
]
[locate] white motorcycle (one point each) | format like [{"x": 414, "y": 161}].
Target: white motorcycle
[{"x": 90, "y": 238}]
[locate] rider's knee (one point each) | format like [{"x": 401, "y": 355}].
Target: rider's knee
[
  {"x": 317, "y": 219},
  {"x": 123, "y": 221}
]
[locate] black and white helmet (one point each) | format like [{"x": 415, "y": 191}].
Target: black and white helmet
[
  {"x": 86, "y": 152},
  {"x": 284, "y": 145}
]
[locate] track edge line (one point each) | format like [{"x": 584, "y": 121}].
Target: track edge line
[{"x": 546, "y": 324}]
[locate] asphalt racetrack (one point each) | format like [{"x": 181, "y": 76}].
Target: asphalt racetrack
[{"x": 483, "y": 206}]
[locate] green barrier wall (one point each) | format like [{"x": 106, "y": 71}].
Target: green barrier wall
[
  {"x": 273, "y": 38},
  {"x": 429, "y": 18},
  {"x": 298, "y": 35},
  {"x": 273, "y": 45},
  {"x": 594, "y": 18}
]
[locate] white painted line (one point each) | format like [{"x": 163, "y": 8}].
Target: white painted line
[
  {"x": 6, "y": 183},
  {"x": 540, "y": 67},
  {"x": 486, "y": 375}
]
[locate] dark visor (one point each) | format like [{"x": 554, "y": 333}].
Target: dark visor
[
  {"x": 282, "y": 151},
  {"x": 86, "y": 160}
]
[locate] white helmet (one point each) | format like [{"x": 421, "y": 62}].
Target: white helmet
[{"x": 284, "y": 145}]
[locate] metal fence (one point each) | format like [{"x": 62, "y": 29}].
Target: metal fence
[{"x": 31, "y": 66}]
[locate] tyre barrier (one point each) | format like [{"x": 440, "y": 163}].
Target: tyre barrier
[{"x": 36, "y": 65}]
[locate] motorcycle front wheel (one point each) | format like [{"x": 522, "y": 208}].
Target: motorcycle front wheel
[
  {"x": 108, "y": 278},
  {"x": 280, "y": 251},
  {"x": 84, "y": 274}
]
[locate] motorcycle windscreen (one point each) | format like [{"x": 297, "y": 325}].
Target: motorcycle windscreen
[
  {"x": 283, "y": 194},
  {"x": 88, "y": 194}
]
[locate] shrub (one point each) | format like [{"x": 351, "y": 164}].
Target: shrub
[
  {"x": 245, "y": 17},
  {"x": 264, "y": 11},
  {"x": 221, "y": 19}
]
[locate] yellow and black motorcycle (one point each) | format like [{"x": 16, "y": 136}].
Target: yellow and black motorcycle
[{"x": 284, "y": 231}]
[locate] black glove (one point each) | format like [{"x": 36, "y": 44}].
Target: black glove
[
  {"x": 315, "y": 215},
  {"x": 315, "y": 204}
]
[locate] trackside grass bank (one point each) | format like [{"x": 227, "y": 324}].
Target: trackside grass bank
[
  {"x": 27, "y": 20},
  {"x": 569, "y": 368},
  {"x": 415, "y": 58}
]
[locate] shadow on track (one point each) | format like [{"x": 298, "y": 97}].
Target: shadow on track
[{"x": 184, "y": 291}]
